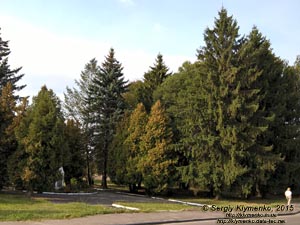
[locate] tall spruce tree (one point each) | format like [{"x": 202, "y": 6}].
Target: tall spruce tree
[
  {"x": 43, "y": 141},
  {"x": 286, "y": 130},
  {"x": 8, "y": 75},
  {"x": 260, "y": 79},
  {"x": 220, "y": 59},
  {"x": 152, "y": 79},
  {"x": 105, "y": 95},
  {"x": 243, "y": 78}
]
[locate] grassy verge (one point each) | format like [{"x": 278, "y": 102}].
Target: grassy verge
[
  {"x": 155, "y": 207},
  {"x": 151, "y": 207},
  {"x": 233, "y": 202},
  {"x": 18, "y": 207}
]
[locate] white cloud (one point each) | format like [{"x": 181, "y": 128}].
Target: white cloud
[
  {"x": 47, "y": 58},
  {"x": 41, "y": 51}
]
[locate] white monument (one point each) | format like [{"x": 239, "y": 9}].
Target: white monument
[{"x": 60, "y": 183}]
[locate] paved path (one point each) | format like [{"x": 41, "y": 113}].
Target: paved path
[
  {"x": 129, "y": 218},
  {"x": 102, "y": 197},
  {"x": 184, "y": 217}
]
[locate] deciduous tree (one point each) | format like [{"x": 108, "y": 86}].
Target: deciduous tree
[
  {"x": 78, "y": 106},
  {"x": 136, "y": 130},
  {"x": 157, "y": 160}
]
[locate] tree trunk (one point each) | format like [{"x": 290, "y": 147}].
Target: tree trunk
[
  {"x": 257, "y": 191},
  {"x": 29, "y": 191},
  {"x": 89, "y": 176},
  {"x": 104, "y": 172}
]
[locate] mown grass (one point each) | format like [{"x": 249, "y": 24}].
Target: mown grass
[
  {"x": 154, "y": 207},
  {"x": 19, "y": 207},
  {"x": 151, "y": 207},
  {"x": 16, "y": 207},
  {"x": 273, "y": 202}
]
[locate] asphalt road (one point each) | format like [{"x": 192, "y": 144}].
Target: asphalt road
[
  {"x": 106, "y": 197},
  {"x": 167, "y": 218},
  {"x": 287, "y": 220}
]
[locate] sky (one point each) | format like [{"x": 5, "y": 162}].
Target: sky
[{"x": 53, "y": 40}]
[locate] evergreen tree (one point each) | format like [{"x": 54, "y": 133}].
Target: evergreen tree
[
  {"x": 134, "y": 95},
  {"x": 235, "y": 112},
  {"x": 185, "y": 98},
  {"x": 73, "y": 162},
  {"x": 43, "y": 141},
  {"x": 8, "y": 87},
  {"x": 105, "y": 95},
  {"x": 17, "y": 161},
  {"x": 260, "y": 79},
  {"x": 220, "y": 59},
  {"x": 7, "y": 139},
  {"x": 6, "y": 74},
  {"x": 286, "y": 130},
  {"x": 78, "y": 106},
  {"x": 119, "y": 152},
  {"x": 152, "y": 79},
  {"x": 242, "y": 77},
  {"x": 136, "y": 130},
  {"x": 157, "y": 159}
]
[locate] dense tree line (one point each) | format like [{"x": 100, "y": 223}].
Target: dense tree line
[
  {"x": 227, "y": 124},
  {"x": 234, "y": 119}
]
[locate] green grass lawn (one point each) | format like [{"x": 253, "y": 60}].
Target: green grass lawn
[
  {"x": 19, "y": 207},
  {"x": 152, "y": 207},
  {"x": 254, "y": 202}
]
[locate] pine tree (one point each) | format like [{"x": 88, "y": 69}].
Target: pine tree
[
  {"x": 136, "y": 130},
  {"x": 6, "y": 74},
  {"x": 43, "y": 140},
  {"x": 152, "y": 79},
  {"x": 105, "y": 95},
  {"x": 157, "y": 158}
]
